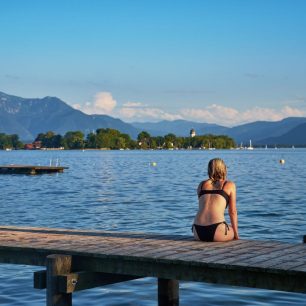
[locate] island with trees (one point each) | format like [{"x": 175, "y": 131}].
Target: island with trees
[{"x": 115, "y": 140}]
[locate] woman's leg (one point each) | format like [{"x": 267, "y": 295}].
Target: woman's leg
[{"x": 224, "y": 232}]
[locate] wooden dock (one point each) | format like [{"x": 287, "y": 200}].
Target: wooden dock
[
  {"x": 80, "y": 259},
  {"x": 30, "y": 169}
]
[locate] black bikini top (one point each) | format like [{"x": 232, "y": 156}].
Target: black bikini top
[{"x": 215, "y": 191}]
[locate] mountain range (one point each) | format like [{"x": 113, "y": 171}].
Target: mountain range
[
  {"x": 260, "y": 132},
  {"x": 29, "y": 117}
]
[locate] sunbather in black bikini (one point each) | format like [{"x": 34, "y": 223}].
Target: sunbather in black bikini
[
  {"x": 212, "y": 203},
  {"x": 207, "y": 232}
]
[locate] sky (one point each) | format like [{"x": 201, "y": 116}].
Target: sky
[{"x": 216, "y": 61}]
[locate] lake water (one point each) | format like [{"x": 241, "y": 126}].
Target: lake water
[{"x": 122, "y": 191}]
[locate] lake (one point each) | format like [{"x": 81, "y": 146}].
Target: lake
[{"x": 152, "y": 191}]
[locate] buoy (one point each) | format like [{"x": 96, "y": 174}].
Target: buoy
[
  {"x": 154, "y": 164},
  {"x": 281, "y": 161}
]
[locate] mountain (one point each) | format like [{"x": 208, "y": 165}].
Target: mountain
[
  {"x": 29, "y": 117},
  {"x": 259, "y": 130},
  {"x": 294, "y": 137},
  {"x": 179, "y": 128}
]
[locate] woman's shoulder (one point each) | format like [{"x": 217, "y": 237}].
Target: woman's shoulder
[
  {"x": 229, "y": 185},
  {"x": 201, "y": 185}
]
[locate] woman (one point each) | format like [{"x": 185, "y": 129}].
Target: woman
[{"x": 215, "y": 195}]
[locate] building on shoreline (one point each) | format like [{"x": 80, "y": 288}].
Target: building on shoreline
[{"x": 192, "y": 133}]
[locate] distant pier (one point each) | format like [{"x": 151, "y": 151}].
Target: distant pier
[{"x": 30, "y": 169}]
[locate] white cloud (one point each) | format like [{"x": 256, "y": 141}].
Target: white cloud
[
  {"x": 134, "y": 104},
  {"x": 103, "y": 103},
  {"x": 211, "y": 114},
  {"x": 139, "y": 111},
  {"x": 231, "y": 116},
  {"x": 146, "y": 113},
  {"x": 292, "y": 112}
]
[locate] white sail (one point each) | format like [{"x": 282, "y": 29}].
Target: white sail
[{"x": 250, "y": 146}]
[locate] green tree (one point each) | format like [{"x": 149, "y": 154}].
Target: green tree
[
  {"x": 120, "y": 143},
  {"x": 10, "y": 141},
  {"x": 16, "y": 143},
  {"x": 159, "y": 140},
  {"x": 4, "y": 141},
  {"x": 170, "y": 141},
  {"x": 144, "y": 140},
  {"x": 91, "y": 141},
  {"x": 74, "y": 140},
  {"x": 50, "y": 140}
]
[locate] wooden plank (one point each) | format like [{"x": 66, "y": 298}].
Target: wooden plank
[
  {"x": 247, "y": 254},
  {"x": 78, "y": 281},
  {"x": 194, "y": 271},
  {"x": 283, "y": 263},
  {"x": 12, "y": 255},
  {"x": 263, "y": 260},
  {"x": 209, "y": 251},
  {"x": 91, "y": 233},
  {"x": 299, "y": 268},
  {"x": 179, "y": 247},
  {"x": 40, "y": 279},
  {"x": 111, "y": 247},
  {"x": 168, "y": 292},
  {"x": 297, "y": 264},
  {"x": 156, "y": 249},
  {"x": 134, "y": 247},
  {"x": 57, "y": 265},
  {"x": 174, "y": 249}
]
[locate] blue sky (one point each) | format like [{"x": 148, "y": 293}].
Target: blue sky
[{"x": 225, "y": 62}]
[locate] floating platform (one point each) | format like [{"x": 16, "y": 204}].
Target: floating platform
[{"x": 29, "y": 169}]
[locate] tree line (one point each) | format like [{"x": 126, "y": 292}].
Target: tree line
[
  {"x": 10, "y": 142},
  {"x": 114, "y": 140}
]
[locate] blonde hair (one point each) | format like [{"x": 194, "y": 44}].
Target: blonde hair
[{"x": 217, "y": 169}]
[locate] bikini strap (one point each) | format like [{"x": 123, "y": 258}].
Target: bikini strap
[
  {"x": 224, "y": 185},
  {"x": 226, "y": 227}
]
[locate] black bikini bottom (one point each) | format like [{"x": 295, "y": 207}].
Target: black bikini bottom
[{"x": 207, "y": 232}]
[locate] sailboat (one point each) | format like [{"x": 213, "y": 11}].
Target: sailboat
[
  {"x": 250, "y": 146},
  {"x": 209, "y": 147},
  {"x": 240, "y": 148}
]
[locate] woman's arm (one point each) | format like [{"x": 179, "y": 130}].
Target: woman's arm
[
  {"x": 232, "y": 210},
  {"x": 199, "y": 188}
]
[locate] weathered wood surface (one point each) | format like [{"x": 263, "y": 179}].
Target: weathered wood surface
[
  {"x": 57, "y": 265},
  {"x": 259, "y": 264},
  {"x": 30, "y": 169},
  {"x": 77, "y": 281}
]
